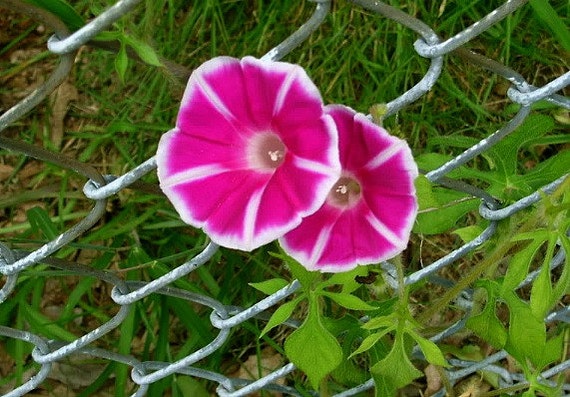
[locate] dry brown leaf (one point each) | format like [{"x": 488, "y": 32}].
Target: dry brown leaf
[
  {"x": 59, "y": 101},
  {"x": 19, "y": 56},
  {"x": 21, "y": 216},
  {"x": 30, "y": 170},
  {"x": 11, "y": 385},
  {"x": 76, "y": 373},
  {"x": 6, "y": 362},
  {"x": 5, "y": 171},
  {"x": 433, "y": 380},
  {"x": 269, "y": 362},
  {"x": 474, "y": 386}
]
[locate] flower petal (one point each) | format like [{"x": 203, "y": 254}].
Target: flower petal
[
  {"x": 393, "y": 199},
  {"x": 252, "y": 151},
  {"x": 218, "y": 203},
  {"x": 291, "y": 194},
  {"x": 179, "y": 152},
  {"x": 340, "y": 240},
  {"x": 373, "y": 225}
]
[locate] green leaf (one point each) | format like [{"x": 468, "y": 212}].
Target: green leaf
[
  {"x": 305, "y": 277},
  {"x": 41, "y": 223},
  {"x": 553, "y": 351},
  {"x": 110, "y": 36},
  {"x": 537, "y": 234},
  {"x": 550, "y": 18},
  {"x": 467, "y": 352},
  {"x": 527, "y": 333},
  {"x": 124, "y": 222},
  {"x": 503, "y": 159},
  {"x": 370, "y": 341},
  {"x": 280, "y": 315},
  {"x": 346, "y": 279},
  {"x": 347, "y": 300},
  {"x": 431, "y": 352},
  {"x": 546, "y": 171},
  {"x": 503, "y": 179},
  {"x": 504, "y": 153},
  {"x": 63, "y": 10},
  {"x": 269, "y": 287},
  {"x": 562, "y": 287},
  {"x": 188, "y": 386},
  {"x": 426, "y": 198},
  {"x": 342, "y": 325},
  {"x": 456, "y": 141},
  {"x": 431, "y": 161},
  {"x": 44, "y": 326},
  {"x": 440, "y": 208},
  {"x": 519, "y": 265},
  {"x": 486, "y": 324},
  {"x": 312, "y": 348},
  {"x": 350, "y": 373},
  {"x": 394, "y": 371},
  {"x": 469, "y": 233},
  {"x": 121, "y": 62},
  {"x": 388, "y": 321},
  {"x": 144, "y": 51},
  {"x": 541, "y": 292}
]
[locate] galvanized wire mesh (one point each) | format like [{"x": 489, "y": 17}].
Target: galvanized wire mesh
[{"x": 99, "y": 188}]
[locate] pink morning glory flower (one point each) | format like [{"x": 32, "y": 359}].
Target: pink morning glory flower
[
  {"x": 252, "y": 153},
  {"x": 369, "y": 212}
]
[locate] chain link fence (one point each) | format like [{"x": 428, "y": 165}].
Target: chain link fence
[{"x": 99, "y": 188}]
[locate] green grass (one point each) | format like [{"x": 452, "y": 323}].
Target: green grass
[{"x": 355, "y": 58}]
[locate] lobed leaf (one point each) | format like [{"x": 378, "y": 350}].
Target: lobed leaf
[
  {"x": 279, "y": 316},
  {"x": 347, "y": 300},
  {"x": 526, "y": 334},
  {"x": 431, "y": 351},
  {"x": 394, "y": 371},
  {"x": 504, "y": 153},
  {"x": 312, "y": 348},
  {"x": 271, "y": 286},
  {"x": 469, "y": 233},
  {"x": 388, "y": 321},
  {"x": 370, "y": 341},
  {"x": 305, "y": 277},
  {"x": 562, "y": 287},
  {"x": 440, "y": 208},
  {"x": 553, "y": 351},
  {"x": 541, "y": 292},
  {"x": 346, "y": 279},
  {"x": 486, "y": 324},
  {"x": 546, "y": 171},
  {"x": 520, "y": 263}
]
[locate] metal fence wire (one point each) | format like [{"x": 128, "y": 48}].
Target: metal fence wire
[{"x": 99, "y": 188}]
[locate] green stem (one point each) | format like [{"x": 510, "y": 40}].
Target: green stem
[
  {"x": 505, "y": 390},
  {"x": 489, "y": 262},
  {"x": 402, "y": 291},
  {"x": 324, "y": 388}
]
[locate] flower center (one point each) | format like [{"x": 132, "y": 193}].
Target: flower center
[
  {"x": 267, "y": 151},
  {"x": 345, "y": 192}
]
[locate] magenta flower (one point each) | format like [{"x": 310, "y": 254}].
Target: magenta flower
[
  {"x": 368, "y": 214},
  {"x": 252, "y": 153}
]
